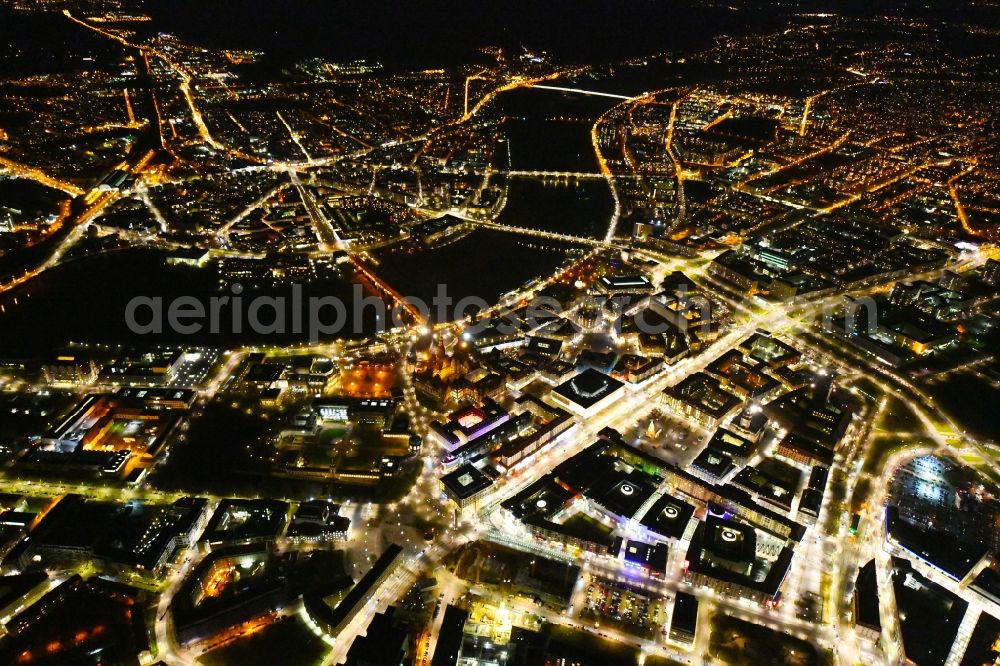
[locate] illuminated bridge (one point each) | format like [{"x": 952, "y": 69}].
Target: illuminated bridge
[
  {"x": 387, "y": 289},
  {"x": 551, "y": 235},
  {"x": 550, "y": 174},
  {"x": 581, "y": 91},
  {"x": 594, "y": 175}
]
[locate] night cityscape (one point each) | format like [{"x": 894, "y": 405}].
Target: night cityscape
[{"x": 564, "y": 333}]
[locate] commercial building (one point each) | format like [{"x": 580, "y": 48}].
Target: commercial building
[
  {"x": 987, "y": 585},
  {"x": 316, "y": 521},
  {"x": 865, "y": 600},
  {"x": 135, "y": 421},
  {"x": 158, "y": 368},
  {"x": 144, "y": 538},
  {"x": 467, "y": 424},
  {"x": 712, "y": 466},
  {"x": 386, "y": 642},
  {"x": 764, "y": 348},
  {"x": 724, "y": 555},
  {"x": 740, "y": 375},
  {"x": 684, "y": 620},
  {"x": 983, "y": 646},
  {"x": 719, "y": 499},
  {"x": 635, "y": 369},
  {"x": 135, "y": 538},
  {"x": 546, "y": 424},
  {"x": 439, "y": 230},
  {"x": 938, "y": 549},
  {"x": 194, "y": 257},
  {"x": 378, "y": 412},
  {"x": 467, "y": 485},
  {"x": 928, "y": 615},
  {"x": 246, "y": 521},
  {"x": 449, "y": 644},
  {"x": 651, "y": 558},
  {"x": 812, "y": 496},
  {"x": 751, "y": 423},
  {"x": 19, "y": 591},
  {"x": 803, "y": 450},
  {"x": 771, "y": 482},
  {"x": 333, "y": 620},
  {"x": 70, "y": 369},
  {"x": 738, "y": 449},
  {"x": 668, "y": 518},
  {"x": 588, "y": 393},
  {"x": 539, "y": 350},
  {"x": 583, "y": 499},
  {"x": 615, "y": 285},
  {"x": 228, "y": 587},
  {"x": 702, "y": 398}
]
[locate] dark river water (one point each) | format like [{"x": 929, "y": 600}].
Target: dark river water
[
  {"x": 86, "y": 300},
  {"x": 575, "y": 207},
  {"x": 550, "y": 131},
  {"x": 546, "y": 131}
]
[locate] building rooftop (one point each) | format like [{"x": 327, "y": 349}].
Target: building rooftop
[
  {"x": 449, "y": 641},
  {"x": 921, "y": 603},
  {"x": 713, "y": 463},
  {"x": 634, "y": 282},
  {"x": 246, "y": 519},
  {"x": 866, "y": 598},
  {"x": 770, "y": 482},
  {"x": 466, "y": 481},
  {"x": 705, "y": 394},
  {"x": 685, "y": 617},
  {"x": 362, "y": 590},
  {"x": 668, "y": 517},
  {"x": 729, "y": 443},
  {"x": 983, "y": 647},
  {"x": 14, "y": 587},
  {"x": 648, "y": 556},
  {"x": 940, "y": 549},
  {"x": 725, "y": 550},
  {"x": 588, "y": 388},
  {"x": 622, "y": 494}
]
